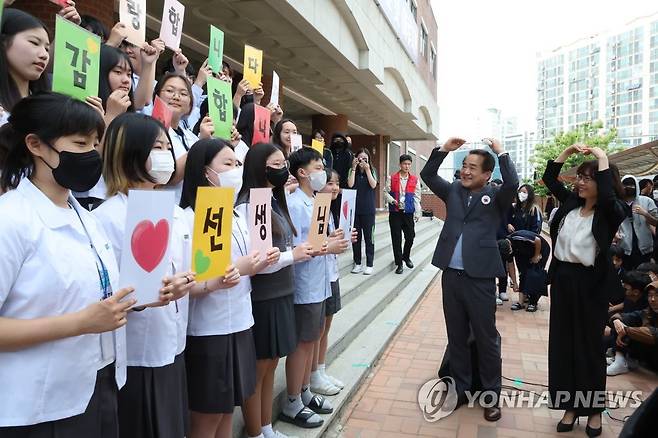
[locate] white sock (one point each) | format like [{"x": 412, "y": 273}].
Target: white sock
[
  {"x": 267, "y": 430},
  {"x": 307, "y": 395},
  {"x": 316, "y": 376},
  {"x": 293, "y": 406},
  {"x": 619, "y": 355},
  {"x": 321, "y": 367}
]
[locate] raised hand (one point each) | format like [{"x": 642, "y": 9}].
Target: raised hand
[{"x": 453, "y": 144}]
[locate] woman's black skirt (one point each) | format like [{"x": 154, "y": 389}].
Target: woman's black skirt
[
  {"x": 221, "y": 371},
  {"x": 153, "y": 403},
  {"x": 274, "y": 327}
]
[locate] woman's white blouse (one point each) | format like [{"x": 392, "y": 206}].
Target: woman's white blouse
[
  {"x": 48, "y": 268},
  {"x": 155, "y": 335},
  {"x": 224, "y": 311},
  {"x": 575, "y": 241}
]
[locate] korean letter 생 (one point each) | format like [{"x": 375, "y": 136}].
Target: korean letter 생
[
  {"x": 253, "y": 65},
  {"x": 77, "y": 60},
  {"x": 215, "y": 49},
  {"x": 317, "y": 232},
  {"x": 211, "y": 239},
  {"x": 347, "y": 209},
  {"x": 261, "y": 125},
  {"x": 260, "y": 220},
  {"x": 171, "y": 28},
  {"x": 132, "y": 13},
  {"x": 144, "y": 257},
  {"x": 220, "y": 107}
]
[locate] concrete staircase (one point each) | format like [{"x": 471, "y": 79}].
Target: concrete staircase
[{"x": 374, "y": 306}]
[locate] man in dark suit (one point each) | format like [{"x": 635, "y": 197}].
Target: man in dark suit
[{"x": 467, "y": 252}]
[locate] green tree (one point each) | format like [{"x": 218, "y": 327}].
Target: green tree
[{"x": 591, "y": 134}]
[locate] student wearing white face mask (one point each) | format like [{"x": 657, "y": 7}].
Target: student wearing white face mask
[
  {"x": 153, "y": 404},
  {"x": 60, "y": 362},
  {"x": 524, "y": 215},
  {"x": 220, "y": 354}
]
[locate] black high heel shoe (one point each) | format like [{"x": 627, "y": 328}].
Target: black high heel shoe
[
  {"x": 567, "y": 427},
  {"x": 591, "y": 432}
]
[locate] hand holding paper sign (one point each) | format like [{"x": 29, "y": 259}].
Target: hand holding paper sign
[
  {"x": 302, "y": 253},
  {"x": 177, "y": 286},
  {"x": 247, "y": 264},
  {"x": 68, "y": 11},
  {"x": 337, "y": 243},
  {"x": 108, "y": 314}
]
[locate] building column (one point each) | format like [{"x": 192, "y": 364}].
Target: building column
[{"x": 46, "y": 11}]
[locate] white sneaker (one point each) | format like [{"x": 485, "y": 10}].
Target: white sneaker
[
  {"x": 617, "y": 367},
  {"x": 609, "y": 360},
  {"x": 499, "y": 302},
  {"x": 357, "y": 269},
  {"x": 503, "y": 296},
  {"x": 320, "y": 385},
  {"x": 278, "y": 434},
  {"x": 367, "y": 270},
  {"x": 334, "y": 381}
]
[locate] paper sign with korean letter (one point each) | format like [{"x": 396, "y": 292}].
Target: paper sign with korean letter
[
  {"x": 77, "y": 60},
  {"x": 317, "y": 233},
  {"x": 253, "y": 65},
  {"x": 132, "y": 13},
  {"x": 261, "y": 125},
  {"x": 260, "y": 220},
  {"x": 146, "y": 242},
  {"x": 347, "y": 208},
  {"x": 211, "y": 240},
  {"x": 171, "y": 28},
  {"x": 220, "y": 107}
]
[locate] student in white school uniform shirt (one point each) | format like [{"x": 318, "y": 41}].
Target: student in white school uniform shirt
[
  {"x": 220, "y": 356},
  {"x": 175, "y": 90},
  {"x": 60, "y": 363},
  {"x": 137, "y": 155}
]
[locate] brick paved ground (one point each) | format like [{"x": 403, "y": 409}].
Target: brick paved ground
[{"x": 386, "y": 404}]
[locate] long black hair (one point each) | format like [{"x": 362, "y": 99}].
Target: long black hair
[
  {"x": 16, "y": 21},
  {"x": 245, "y": 123},
  {"x": 110, "y": 58},
  {"x": 276, "y": 135},
  {"x": 253, "y": 177},
  {"x": 199, "y": 156},
  {"x": 49, "y": 116},
  {"x": 527, "y": 206}
]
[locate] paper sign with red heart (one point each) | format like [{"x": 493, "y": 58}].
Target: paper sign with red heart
[{"x": 149, "y": 243}]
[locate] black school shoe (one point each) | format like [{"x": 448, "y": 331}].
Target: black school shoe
[
  {"x": 399, "y": 270},
  {"x": 409, "y": 263}
]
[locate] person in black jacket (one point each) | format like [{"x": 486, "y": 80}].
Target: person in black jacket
[
  {"x": 582, "y": 231},
  {"x": 342, "y": 159}
]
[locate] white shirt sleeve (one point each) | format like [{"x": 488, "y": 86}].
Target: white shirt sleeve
[{"x": 14, "y": 251}]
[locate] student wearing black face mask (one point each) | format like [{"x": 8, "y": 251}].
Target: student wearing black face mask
[
  {"x": 62, "y": 342},
  {"x": 635, "y": 232}
]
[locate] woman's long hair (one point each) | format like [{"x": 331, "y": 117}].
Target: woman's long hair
[
  {"x": 110, "y": 58},
  {"x": 527, "y": 206}
]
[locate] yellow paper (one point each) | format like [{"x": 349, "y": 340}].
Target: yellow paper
[
  {"x": 317, "y": 233},
  {"x": 317, "y": 145},
  {"x": 253, "y": 65},
  {"x": 211, "y": 244}
]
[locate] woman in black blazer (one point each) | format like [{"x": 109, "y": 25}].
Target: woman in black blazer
[{"x": 582, "y": 232}]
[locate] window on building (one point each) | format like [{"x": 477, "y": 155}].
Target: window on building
[
  {"x": 424, "y": 41},
  {"x": 433, "y": 62},
  {"x": 414, "y": 8}
]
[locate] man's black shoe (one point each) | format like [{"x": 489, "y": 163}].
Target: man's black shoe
[
  {"x": 409, "y": 263},
  {"x": 399, "y": 270}
]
